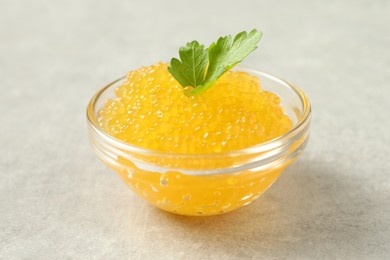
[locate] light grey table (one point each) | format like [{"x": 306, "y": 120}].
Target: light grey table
[{"x": 58, "y": 201}]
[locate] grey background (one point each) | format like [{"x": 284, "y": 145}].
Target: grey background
[{"x": 58, "y": 201}]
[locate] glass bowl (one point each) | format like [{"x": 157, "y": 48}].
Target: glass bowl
[{"x": 210, "y": 183}]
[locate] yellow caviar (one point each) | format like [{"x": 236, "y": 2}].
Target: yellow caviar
[{"x": 152, "y": 111}]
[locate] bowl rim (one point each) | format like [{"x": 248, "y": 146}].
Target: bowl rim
[{"x": 303, "y": 120}]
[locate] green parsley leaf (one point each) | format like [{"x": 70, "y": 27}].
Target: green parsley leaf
[
  {"x": 190, "y": 71},
  {"x": 200, "y": 68}
]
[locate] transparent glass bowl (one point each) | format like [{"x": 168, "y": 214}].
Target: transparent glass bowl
[{"x": 210, "y": 183}]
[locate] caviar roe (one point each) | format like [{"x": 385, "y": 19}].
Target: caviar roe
[{"x": 152, "y": 111}]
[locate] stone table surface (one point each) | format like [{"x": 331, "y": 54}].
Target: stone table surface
[{"x": 58, "y": 201}]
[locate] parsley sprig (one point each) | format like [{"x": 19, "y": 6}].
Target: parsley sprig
[{"x": 200, "y": 67}]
